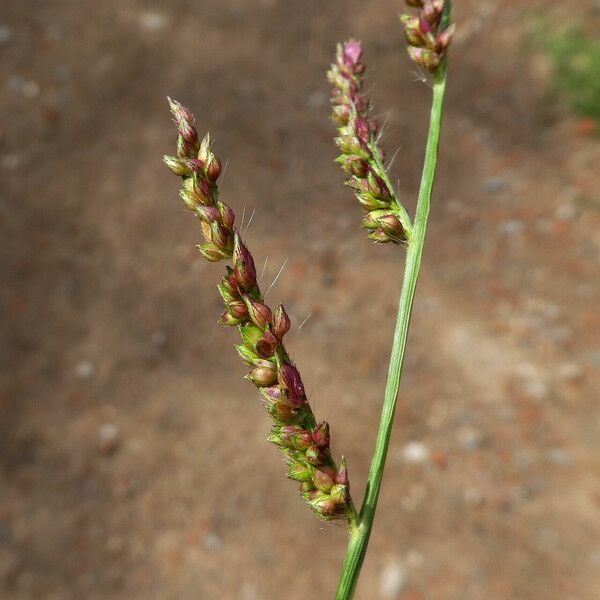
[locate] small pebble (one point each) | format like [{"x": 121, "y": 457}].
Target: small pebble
[
  {"x": 153, "y": 21},
  {"x": 392, "y": 580},
  {"x": 212, "y": 542},
  {"x": 85, "y": 370},
  {"x": 108, "y": 438},
  {"x": 415, "y": 453}
]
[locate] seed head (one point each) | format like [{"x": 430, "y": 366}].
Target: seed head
[
  {"x": 361, "y": 156},
  {"x": 305, "y": 446},
  {"x": 428, "y": 36}
]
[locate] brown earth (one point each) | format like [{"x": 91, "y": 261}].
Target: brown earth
[{"x": 133, "y": 457}]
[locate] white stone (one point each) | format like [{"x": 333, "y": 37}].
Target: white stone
[
  {"x": 415, "y": 453},
  {"x": 153, "y": 21},
  {"x": 85, "y": 370},
  {"x": 392, "y": 580}
]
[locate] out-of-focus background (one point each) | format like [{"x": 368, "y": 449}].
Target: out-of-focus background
[{"x": 133, "y": 460}]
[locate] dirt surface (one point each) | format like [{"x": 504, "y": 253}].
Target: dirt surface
[{"x": 133, "y": 460}]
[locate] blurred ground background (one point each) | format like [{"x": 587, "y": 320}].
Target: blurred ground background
[{"x": 133, "y": 461}]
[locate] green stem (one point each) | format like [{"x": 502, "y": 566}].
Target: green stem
[{"x": 360, "y": 531}]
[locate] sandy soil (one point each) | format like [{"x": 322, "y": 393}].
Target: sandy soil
[{"x": 133, "y": 461}]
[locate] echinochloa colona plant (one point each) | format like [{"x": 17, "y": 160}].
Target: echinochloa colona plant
[{"x": 303, "y": 439}]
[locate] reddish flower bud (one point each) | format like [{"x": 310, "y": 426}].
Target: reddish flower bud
[
  {"x": 272, "y": 394},
  {"x": 377, "y": 186},
  {"x": 324, "y": 506},
  {"x": 209, "y": 214},
  {"x": 228, "y": 288},
  {"x": 281, "y": 322},
  {"x": 263, "y": 376},
  {"x": 321, "y": 435},
  {"x": 185, "y": 149},
  {"x": 202, "y": 189},
  {"x": 294, "y": 437},
  {"x": 282, "y": 411},
  {"x": 237, "y": 309},
  {"x": 431, "y": 12},
  {"x": 229, "y": 320},
  {"x": 362, "y": 129},
  {"x": 353, "y": 165},
  {"x": 424, "y": 25},
  {"x": 390, "y": 224},
  {"x": 265, "y": 347},
  {"x": 188, "y": 132},
  {"x": 445, "y": 38},
  {"x": 315, "y": 456},
  {"x": 193, "y": 165},
  {"x": 379, "y": 236},
  {"x": 227, "y": 216},
  {"x": 213, "y": 168},
  {"x": 352, "y": 52},
  {"x": 324, "y": 478},
  {"x": 244, "y": 269},
  {"x": 424, "y": 57},
  {"x": 260, "y": 314},
  {"x": 342, "y": 474},
  {"x": 180, "y": 112},
  {"x": 289, "y": 378}
]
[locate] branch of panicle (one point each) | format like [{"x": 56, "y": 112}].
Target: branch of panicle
[{"x": 304, "y": 442}]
